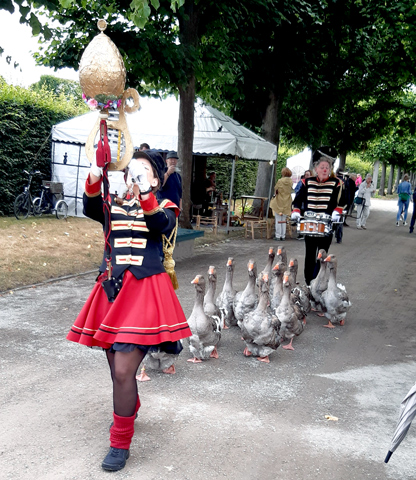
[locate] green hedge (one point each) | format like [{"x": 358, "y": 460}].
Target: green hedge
[{"x": 25, "y": 143}]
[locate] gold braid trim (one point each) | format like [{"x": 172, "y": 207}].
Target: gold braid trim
[{"x": 169, "y": 262}]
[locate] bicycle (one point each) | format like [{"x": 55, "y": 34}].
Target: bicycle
[
  {"x": 47, "y": 202},
  {"x": 23, "y": 203}
]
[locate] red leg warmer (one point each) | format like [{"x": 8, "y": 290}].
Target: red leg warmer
[{"x": 122, "y": 431}]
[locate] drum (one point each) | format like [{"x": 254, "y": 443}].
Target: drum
[{"x": 315, "y": 224}]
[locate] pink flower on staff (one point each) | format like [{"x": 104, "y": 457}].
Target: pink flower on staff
[
  {"x": 119, "y": 102},
  {"x": 84, "y": 96},
  {"x": 92, "y": 103}
]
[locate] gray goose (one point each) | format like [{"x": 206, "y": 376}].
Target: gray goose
[
  {"x": 301, "y": 293},
  {"x": 320, "y": 283},
  {"x": 247, "y": 299},
  {"x": 277, "y": 282},
  {"x": 335, "y": 298},
  {"x": 206, "y": 330},
  {"x": 290, "y": 315},
  {"x": 260, "y": 328},
  {"x": 209, "y": 305},
  {"x": 226, "y": 298}
]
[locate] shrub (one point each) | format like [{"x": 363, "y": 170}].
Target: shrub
[{"x": 25, "y": 136}]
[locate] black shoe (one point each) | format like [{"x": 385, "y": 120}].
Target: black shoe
[
  {"x": 115, "y": 459},
  {"x": 345, "y": 224}
]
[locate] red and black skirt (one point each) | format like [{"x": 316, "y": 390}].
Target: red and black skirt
[{"x": 145, "y": 312}]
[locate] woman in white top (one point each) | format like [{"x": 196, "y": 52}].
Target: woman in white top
[{"x": 365, "y": 190}]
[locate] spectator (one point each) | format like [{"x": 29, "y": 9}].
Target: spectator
[
  {"x": 358, "y": 181},
  {"x": 404, "y": 191},
  {"x": 281, "y": 203},
  {"x": 350, "y": 189},
  {"x": 210, "y": 190},
  {"x": 412, "y": 222},
  {"x": 307, "y": 174},
  {"x": 172, "y": 181},
  {"x": 365, "y": 190},
  {"x": 143, "y": 147}
]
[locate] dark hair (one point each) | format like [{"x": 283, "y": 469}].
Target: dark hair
[
  {"x": 144, "y": 145},
  {"x": 156, "y": 162}
]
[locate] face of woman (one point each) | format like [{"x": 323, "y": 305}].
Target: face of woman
[
  {"x": 307, "y": 174},
  {"x": 323, "y": 170},
  {"x": 145, "y": 164},
  {"x": 368, "y": 180}
]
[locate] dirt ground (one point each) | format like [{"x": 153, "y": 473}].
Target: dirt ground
[{"x": 234, "y": 417}]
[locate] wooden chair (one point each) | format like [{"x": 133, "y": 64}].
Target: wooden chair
[
  {"x": 252, "y": 225},
  {"x": 207, "y": 221}
]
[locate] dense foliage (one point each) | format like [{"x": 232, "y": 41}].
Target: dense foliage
[{"x": 25, "y": 136}]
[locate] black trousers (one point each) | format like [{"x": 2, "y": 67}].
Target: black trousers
[
  {"x": 312, "y": 246},
  {"x": 412, "y": 222}
]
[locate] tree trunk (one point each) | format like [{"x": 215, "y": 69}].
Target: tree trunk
[
  {"x": 185, "y": 144},
  {"x": 271, "y": 133},
  {"x": 342, "y": 160},
  {"x": 188, "y": 34},
  {"x": 375, "y": 173},
  {"x": 382, "y": 180},
  {"x": 390, "y": 183},
  {"x": 396, "y": 183}
]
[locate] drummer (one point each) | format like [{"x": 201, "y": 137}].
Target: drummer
[{"x": 322, "y": 193}]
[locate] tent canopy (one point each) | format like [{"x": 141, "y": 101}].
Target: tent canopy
[{"x": 156, "y": 123}]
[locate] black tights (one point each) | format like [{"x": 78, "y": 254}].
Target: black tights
[{"x": 123, "y": 367}]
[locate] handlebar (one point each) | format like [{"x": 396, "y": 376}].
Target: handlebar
[{"x": 35, "y": 172}]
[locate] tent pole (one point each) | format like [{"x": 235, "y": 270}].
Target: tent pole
[
  {"x": 270, "y": 188},
  {"x": 231, "y": 194}
]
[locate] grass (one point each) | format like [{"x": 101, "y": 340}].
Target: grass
[{"x": 39, "y": 249}]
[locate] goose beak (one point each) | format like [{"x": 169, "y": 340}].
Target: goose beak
[
  {"x": 319, "y": 255},
  {"x": 328, "y": 258},
  {"x": 291, "y": 263},
  {"x": 286, "y": 279},
  {"x": 250, "y": 267},
  {"x": 271, "y": 250},
  {"x": 265, "y": 277},
  {"x": 211, "y": 270},
  {"x": 229, "y": 262},
  {"x": 279, "y": 251},
  {"x": 195, "y": 280},
  {"x": 276, "y": 267}
]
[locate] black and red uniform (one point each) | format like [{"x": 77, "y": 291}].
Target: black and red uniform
[
  {"x": 146, "y": 311},
  {"x": 319, "y": 197}
]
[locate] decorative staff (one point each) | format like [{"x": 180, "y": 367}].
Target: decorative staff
[{"x": 102, "y": 76}]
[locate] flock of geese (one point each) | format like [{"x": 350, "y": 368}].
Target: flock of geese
[{"x": 271, "y": 309}]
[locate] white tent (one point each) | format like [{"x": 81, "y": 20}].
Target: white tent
[
  {"x": 156, "y": 123},
  {"x": 300, "y": 162}
]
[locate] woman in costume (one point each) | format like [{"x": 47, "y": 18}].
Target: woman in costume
[
  {"x": 136, "y": 308},
  {"x": 322, "y": 193},
  {"x": 281, "y": 203}
]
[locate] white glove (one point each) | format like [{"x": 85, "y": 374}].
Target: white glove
[
  {"x": 139, "y": 176},
  {"x": 97, "y": 171},
  {"x": 336, "y": 217},
  {"x": 295, "y": 216}
]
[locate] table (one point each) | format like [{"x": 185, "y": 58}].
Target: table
[{"x": 244, "y": 199}]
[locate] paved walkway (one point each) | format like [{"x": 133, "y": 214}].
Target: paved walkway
[{"x": 234, "y": 417}]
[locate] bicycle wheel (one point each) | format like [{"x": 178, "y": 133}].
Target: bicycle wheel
[
  {"x": 21, "y": 206},
  {"x": 61, "y": 209},
  {"x": 37, "y": 210}
]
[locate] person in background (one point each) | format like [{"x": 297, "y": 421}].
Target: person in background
[
  {"x": 172, "y": 181},
  {"x": 321, "y": 193},
  {"x": 307, "y": 174},
  {"x": 281, "y": 203},
  {"x": 358, "y": 180},
  {"x": 210, "y": 189},
  {"x": 350, "y": 189},
  {"x": 143, "y": 147},
  {"x": 412, "y": 221},
  {"x": 365, "y": 190},
  {"x": 404, "y": 191}
]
